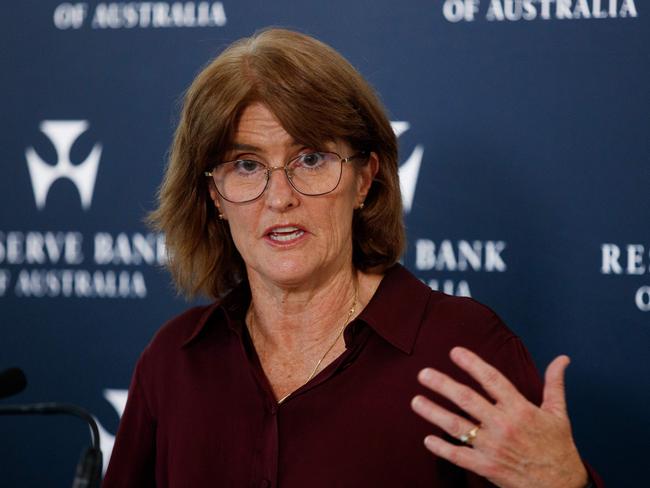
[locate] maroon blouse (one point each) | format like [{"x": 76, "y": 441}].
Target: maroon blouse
[{"x": 200, "y": 410}]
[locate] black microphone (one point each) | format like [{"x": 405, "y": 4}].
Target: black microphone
[
  {"x": 89, "y": 468},
  {"x": 12, "y": 382}
]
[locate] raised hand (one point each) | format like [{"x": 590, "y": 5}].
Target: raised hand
[{"x": 517, "y": 443}]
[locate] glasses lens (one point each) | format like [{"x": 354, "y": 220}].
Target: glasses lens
[
  {"x": 315, "y": 173},
  {"x": 241, "y": 180}
]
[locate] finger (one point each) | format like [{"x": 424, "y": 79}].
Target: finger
[
  {"x": 452, "y": 424},
  {"x": 492, "y": 381},
  {"x": 470, "y": 459},
  {"x": 462, "y": 395},
  {"x": 554, "y": 396}
]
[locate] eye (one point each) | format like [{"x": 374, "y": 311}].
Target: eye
[
  {"x": 246, "y": 167},
  {"x": 312, "y": 160}
]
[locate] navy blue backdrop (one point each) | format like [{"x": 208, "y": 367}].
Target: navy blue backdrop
[{"x": 524, "y": 139}]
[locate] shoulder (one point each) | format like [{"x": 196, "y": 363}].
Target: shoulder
[
  {"x": 179, "y": 330},
  {"x": 450, "y": 321},
  {"x": 413, "y": 316},
  {"x": 465, "y": 316},
  {"x": 444, "y": 322},
  {"x": 459, "y": 321},
  {"x": 447, "y": 321},
  {"x": 438, "y": 312}
]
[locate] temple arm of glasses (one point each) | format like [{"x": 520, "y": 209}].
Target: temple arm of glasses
[{"x": 362, "y": 154}]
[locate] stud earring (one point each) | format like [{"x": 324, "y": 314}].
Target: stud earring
[
  {"x": 220, "y": 216},
  {"x": 361, "y": 205}
]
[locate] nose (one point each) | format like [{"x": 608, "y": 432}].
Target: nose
[{"x": 280, "y": 195}]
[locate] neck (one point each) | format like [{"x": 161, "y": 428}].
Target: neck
[{"x": 300, "y": 318}]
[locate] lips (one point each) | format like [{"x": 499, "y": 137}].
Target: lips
[{"x": 285, "y": 234}]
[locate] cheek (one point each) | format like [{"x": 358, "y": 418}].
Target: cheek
[
  {"x": 339, "y": 218},
  {"x": 236, "y": 234},
  {"x": 242, "y": 228}
]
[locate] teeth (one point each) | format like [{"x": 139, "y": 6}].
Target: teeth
[
  {"x": 285, "y": 229},
  {"x": 286, "y": 237}
]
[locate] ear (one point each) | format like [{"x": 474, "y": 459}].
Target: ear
[
  {"x": 214, "y": 196},
  {"x": 366, "y": 174}
]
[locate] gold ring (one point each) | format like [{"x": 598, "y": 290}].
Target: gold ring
[{"x": 468, "y": 438}]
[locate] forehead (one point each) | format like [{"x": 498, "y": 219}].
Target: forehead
[
  {"x": 258, "y": 112},
  {"x": 257, "y": 121},
  {"x": 259, "y": 129}
]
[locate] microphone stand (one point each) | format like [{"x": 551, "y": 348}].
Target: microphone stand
[{"x": 89, "y": 468}]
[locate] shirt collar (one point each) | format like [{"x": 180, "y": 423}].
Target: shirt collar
[
  {"x": 233, "y": 306},
  {"x": 394, "y": 312},
  {"x": 397, "y": 308}
]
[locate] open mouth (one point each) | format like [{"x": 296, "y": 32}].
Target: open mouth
[{"x": 285, "y": 234}]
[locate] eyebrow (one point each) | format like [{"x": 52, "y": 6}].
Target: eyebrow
[{"x": 239, "y": 146}]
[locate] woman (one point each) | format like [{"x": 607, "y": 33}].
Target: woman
[{"x": 281, "y": 201}]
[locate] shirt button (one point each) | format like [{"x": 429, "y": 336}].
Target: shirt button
[{"x": 265, "y": 484}]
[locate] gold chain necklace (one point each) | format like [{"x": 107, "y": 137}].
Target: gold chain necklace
[{"x": 336, "y": 339}]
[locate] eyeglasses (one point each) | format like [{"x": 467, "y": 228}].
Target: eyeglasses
[{"x": 312, "y": 174}]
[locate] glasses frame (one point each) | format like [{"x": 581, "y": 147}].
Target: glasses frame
[{"x": 285, "y": 167}]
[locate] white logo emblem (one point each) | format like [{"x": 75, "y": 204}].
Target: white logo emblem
[
  {"x": 63, "y": 134},
  {"x": 410, "y": 170}
]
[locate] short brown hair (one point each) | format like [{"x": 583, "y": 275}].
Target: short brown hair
[{"x": 317, "y": 96}]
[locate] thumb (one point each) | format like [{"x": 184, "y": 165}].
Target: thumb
[{"x": 554, "y": 396}]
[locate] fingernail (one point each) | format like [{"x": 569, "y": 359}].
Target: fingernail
[
  {"x": 428, "y": 441},
  {"x": 426, "y": 374},
  {"x": 458, "y": 351}
]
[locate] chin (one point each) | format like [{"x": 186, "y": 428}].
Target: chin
[{"x": 287, "y": 272}]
